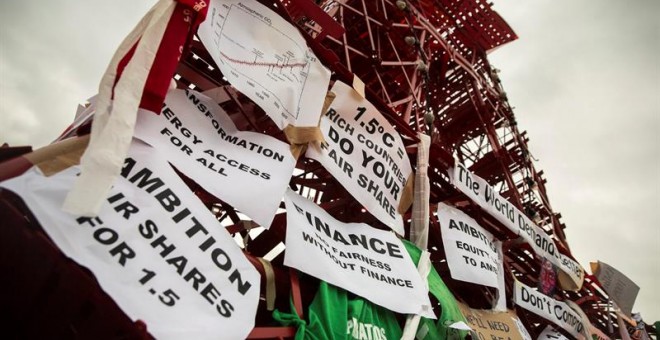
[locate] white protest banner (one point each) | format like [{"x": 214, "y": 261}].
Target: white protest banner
[
  {"x": 201, "y": 141},
  {"x": 154, "y": 248},
  {"x": 490, "y": 324},
  {"x": 515, "y": 220},
  {"x": 365, "y": 154},
  {"x": 619, "y": 287},
  {"x": 366, "y": 261},
  {"x": 586, "y": 332},
  {"x": 548, "y": 308},
  {"x": 549, "y": 333},
  {"x": 267, "y": 59},
  {"x": 472, "y": 252}
]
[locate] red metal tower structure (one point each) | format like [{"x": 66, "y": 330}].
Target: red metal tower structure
[{"x": 425, "y": 67}]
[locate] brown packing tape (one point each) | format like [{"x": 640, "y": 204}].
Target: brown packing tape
[
  {"x": 358, "y": 86},
  {"x": 407, "y": 195},
  {"x": 271, "y": 292},
  {"x": 300, "y": 137},
  {"x": 54, "y": 158}
]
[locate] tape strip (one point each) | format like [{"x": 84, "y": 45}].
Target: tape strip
[
  {"x": 271, "y": 292},
  {"x": 59, "y": 156},
  {"x": 407, "y": 195},
  {"x": 112, "y": 129},
  {"x": 419, "y": 230},
  {"x": 301, "y": 136},
  {"x": 358, "y": 86}
]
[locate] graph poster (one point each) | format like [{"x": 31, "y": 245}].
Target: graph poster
[{"x": 267, "y": 59}]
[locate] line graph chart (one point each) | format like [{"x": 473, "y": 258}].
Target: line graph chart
[{"x": 267, "y": 59}]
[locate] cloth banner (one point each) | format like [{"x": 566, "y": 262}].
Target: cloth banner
[
  {"x": 366, "y": 155},
  {"x": 450, "y": 314},
  {"x": 138, "y": 76},
  {"x": 153, "y": 247},
  {"x": 201, "y": 141},
  {"x": 267, "y": 59},
  {"x": 550, "y": 309},
  {"x": 472, "y": 252},
  {"x": 366, "y": 261},
  {"x": 492, "y": 325},
  {"x": 336, "y": 315},
  {"x": 619, "y": 287},
  {"x": 510, "y": 216}
]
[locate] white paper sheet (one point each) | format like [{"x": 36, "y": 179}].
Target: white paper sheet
[
  {"x": 267, "y": 59},
  {"x": 366, "y": 261}
]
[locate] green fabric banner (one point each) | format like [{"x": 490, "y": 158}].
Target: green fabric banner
[
  {"x": 450, "y": 312},
  {"x": 335, "y": 314}
]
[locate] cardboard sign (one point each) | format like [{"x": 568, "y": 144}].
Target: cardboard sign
[
  {"x": 549, "y": 333},
  {"x": 472, "y": 252},
  {"x": 154, "y": 248},
  {"x": 550, "y": 309},
  {"x": 366, "y": 261},
  {"x": 515, "y": 220},
  {"x": 492, "y": 325},
  {"x": 618, "y": 286},
  {"x": 267, "y": 59},
  {"x": 365, "y": 154},
  {"x": 200, "y": 139}
]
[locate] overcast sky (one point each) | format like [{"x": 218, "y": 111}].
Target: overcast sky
[{"x": 584, "y": 78}]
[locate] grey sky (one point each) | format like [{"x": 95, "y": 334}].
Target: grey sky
[{"x": 584, "y": 78}]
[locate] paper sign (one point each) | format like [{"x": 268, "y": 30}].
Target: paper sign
[
  {"x": 619, "y": 287},
  {"x": 510, "y": 216},
  {"x": 491, "y": 325},
  {"x": 267, "y": 59},
  {"x": 548, "y": 308},
  {"x": 365, "y": 154},
  {"x": 154, "y": 248},
  {"x": 366, "y": 261},
  {"x": 472, "y": 252},
  {"x": 550, "y": 333},
  {"x": 200, "y": 139}
]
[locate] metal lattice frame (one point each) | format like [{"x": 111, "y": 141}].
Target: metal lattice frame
[{"x": 425, "y": 63}]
